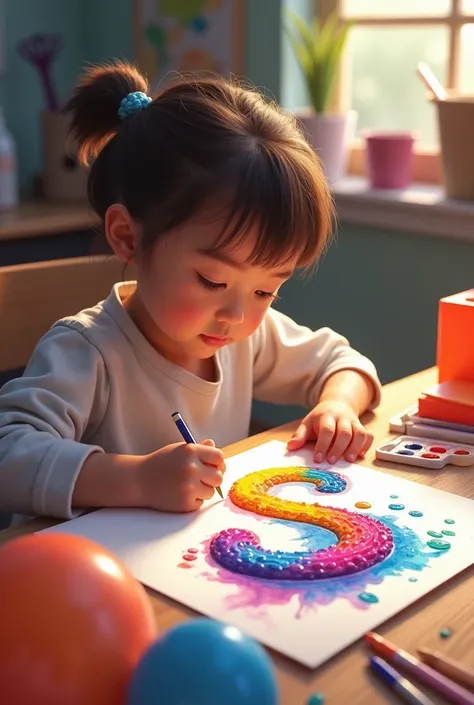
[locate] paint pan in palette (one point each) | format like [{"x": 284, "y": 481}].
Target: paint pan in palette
[{"x": 425, "y": 452}]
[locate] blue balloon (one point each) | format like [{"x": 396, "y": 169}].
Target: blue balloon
[{"x": 204, "y": 662}]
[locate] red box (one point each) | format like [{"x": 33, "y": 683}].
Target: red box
[{"x": 455, "y": 345}]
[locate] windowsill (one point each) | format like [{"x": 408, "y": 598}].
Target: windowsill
[{"x": 422, "y": 208}]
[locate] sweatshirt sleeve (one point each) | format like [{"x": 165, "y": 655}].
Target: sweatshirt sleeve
[
  {"x": 43, "y": 416},
  {"x": 292, "y": 362}
]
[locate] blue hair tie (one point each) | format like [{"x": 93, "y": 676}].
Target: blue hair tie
[{"x": 132, "y": 103}]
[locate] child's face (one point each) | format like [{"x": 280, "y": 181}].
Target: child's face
[{"x": 201, "y": 302}]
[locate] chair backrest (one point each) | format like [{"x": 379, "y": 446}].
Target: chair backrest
[{"x": 35, "y": 295}]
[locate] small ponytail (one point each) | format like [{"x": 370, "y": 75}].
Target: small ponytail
[{"x": 94, "y": 105}]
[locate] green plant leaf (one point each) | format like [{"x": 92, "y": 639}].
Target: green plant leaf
[{"x": 318, "y": 49}]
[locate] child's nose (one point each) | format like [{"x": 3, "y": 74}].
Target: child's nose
[{"x": 232, "y": 313}]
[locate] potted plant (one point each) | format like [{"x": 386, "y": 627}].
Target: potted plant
[{"x": 318, "y": 47}]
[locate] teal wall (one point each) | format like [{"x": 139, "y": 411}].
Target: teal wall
[
  {"x": 96, "y": 30},
  {"x": 380, "y": 289}
]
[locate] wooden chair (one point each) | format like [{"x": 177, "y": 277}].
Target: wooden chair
[{"x": 33, "y": 296}]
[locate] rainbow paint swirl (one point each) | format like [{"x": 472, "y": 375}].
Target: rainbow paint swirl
[{"x": 362, "y": 540}]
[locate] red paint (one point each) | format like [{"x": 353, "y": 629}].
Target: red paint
[
  {"x": 193, "y": 550},
  {"x": 430, "y": 456},
  {"x": 461, "y": 452},
  {"x": 438, "y": 449},
  {"x": 189, "y": 557},
  {"x": 184, "y": 565}
]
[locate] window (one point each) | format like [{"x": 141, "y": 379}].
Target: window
[{"x": 379, "y": 78}]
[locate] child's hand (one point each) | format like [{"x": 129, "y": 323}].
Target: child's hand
[
  {"x": 179, "y": 477},
  {"x": 336, "y": 428}
]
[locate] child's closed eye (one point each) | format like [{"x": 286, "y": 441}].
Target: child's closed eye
[
  {"x": 208, "y": 284},
  {"x": 213, "y": 286}
]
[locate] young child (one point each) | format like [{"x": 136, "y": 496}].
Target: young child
[{"x": 216, "y": 198}]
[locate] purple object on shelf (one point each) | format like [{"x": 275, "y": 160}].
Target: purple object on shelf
[
  {"x": 42, "y": 50},
  {"x": 389, "y": 159}
]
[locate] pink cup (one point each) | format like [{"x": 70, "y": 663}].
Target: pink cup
[{"x": 389, "y": 158}]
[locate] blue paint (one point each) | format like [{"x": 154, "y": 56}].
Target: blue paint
[
  {"x": 405, "y": 452},
  {"x": 393, "y": 496},
  {"x": 368, "y": 597},
  {"x": 415, "y": 513},
  {"x": 412, "y": 580},
  {"x": 331, "y": 483},
  {"x": 396, "y": 507},
  {"x": 449, "y": 521},
  {"x": 315, "y": 699},
  {"x": 199, "y": 24},
  {"x": 413, "y": 446}
]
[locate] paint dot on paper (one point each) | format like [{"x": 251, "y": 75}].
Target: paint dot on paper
[
  {"x": 185, "y": 565},
  {"x": 447, "y": 532},
  {"x": 315, "y": 699},
  {"x": 439, "y": 544},
  {"x": 445, "y": 633},
  {"x": 362, "y": 505},
  {"x": 368, "y": 597},
  {"x": 193, "y": 550},
  {"x": 189, "y": 557},
  {"x": 396, "y": 507},
  {"x": 449, "y": 521},
  {"x": 435, "y": 534},
  {"x": 412, "y": 580},
  {"x": 393, "y": 496},
  {"x": 415, "y": 513}
]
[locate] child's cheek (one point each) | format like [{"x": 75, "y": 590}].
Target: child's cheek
[{"x": 253, "y": 321}]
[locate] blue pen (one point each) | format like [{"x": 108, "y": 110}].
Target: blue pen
[
  {"x": 406, "y": 690},
  {"x": 187, "y": 436}
]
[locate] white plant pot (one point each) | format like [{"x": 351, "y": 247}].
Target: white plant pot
[{"x": 330, "y": 135}]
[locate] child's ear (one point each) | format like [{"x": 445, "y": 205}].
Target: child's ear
[{"x": 122, "y": 233}]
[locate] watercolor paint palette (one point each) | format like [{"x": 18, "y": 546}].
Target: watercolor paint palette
[{"x": 426, "y": 452}]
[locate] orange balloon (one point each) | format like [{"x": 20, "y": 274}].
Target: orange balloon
[{"x": 73, "y": 622}]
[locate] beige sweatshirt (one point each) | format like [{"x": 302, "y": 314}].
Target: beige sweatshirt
[{"x": 94, "y": 383}]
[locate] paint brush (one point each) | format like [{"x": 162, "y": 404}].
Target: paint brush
[
  {"x": 187, "y": 436},
  {"x": 400, "y": 685},
  {"x": 453, "y": 669},
  {"x": 453, "y": 692}
]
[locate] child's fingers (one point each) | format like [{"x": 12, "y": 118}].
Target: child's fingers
[
  {"x": 210, "y": 475},
  {"x": 359, "y": 436},
  {"x": 325, "y": 435},
  {"x": 342, "y": 440},
  {"x": 369, "y": 439},
  {"x": 207, "y": 453},
  {"x": 299, "y": 437}
]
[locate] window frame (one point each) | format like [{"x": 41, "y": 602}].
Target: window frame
[{"x": 427, "y": 162}]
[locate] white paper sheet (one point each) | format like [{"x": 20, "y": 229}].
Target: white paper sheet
[{"x": 312, "y": 620}]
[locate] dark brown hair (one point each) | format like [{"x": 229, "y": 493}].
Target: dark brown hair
[{"x": 202, "y": 142}]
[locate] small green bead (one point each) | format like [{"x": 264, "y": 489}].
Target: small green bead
[
  {"x": 315, "y": 699},
  {"x": 445, "y": 633}
]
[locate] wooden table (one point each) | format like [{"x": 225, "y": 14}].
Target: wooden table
[{"x": 344, "y": 679}]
